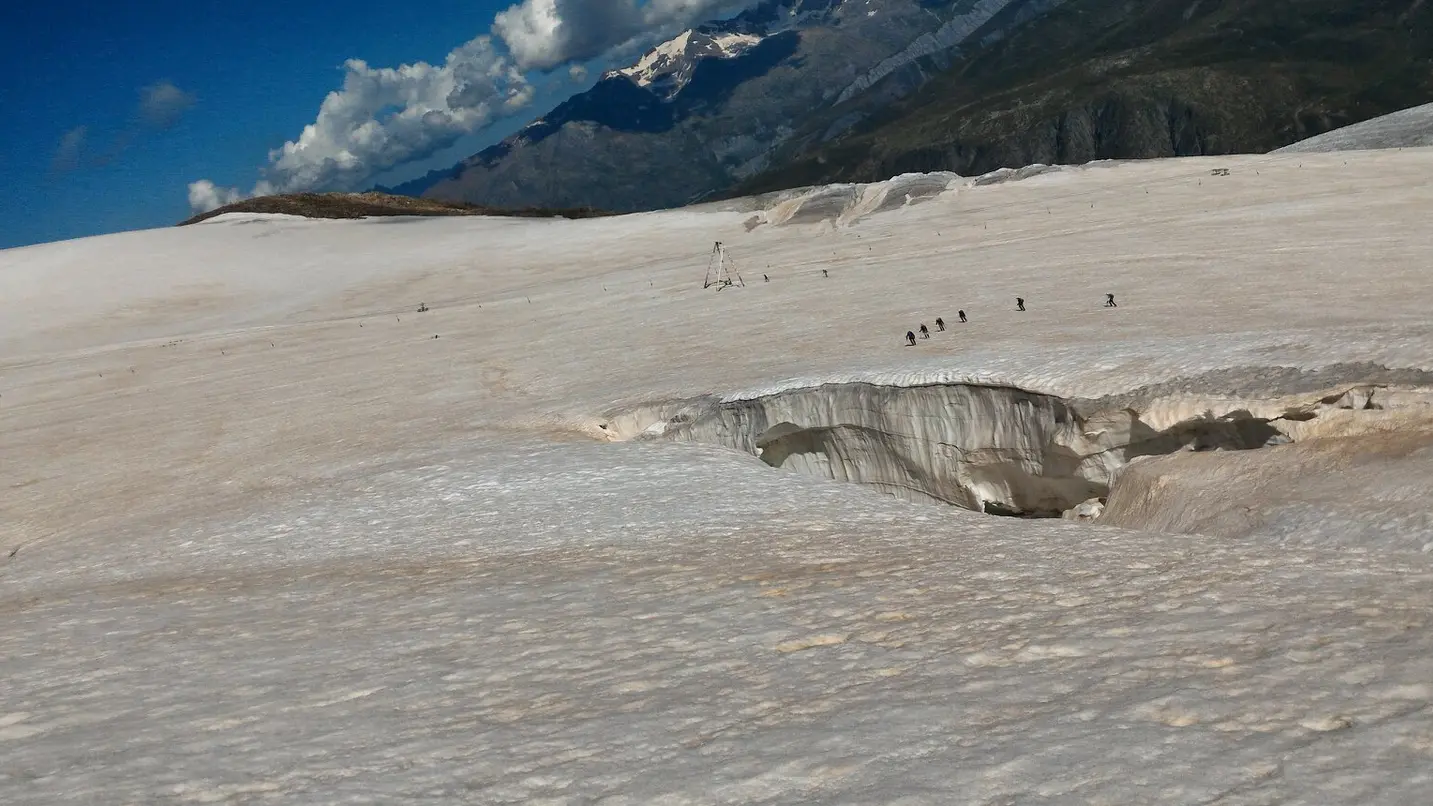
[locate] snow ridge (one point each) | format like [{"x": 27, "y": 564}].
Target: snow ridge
[
  {"x": 672, "y": 63},
  {"x": 668, "y": 67},
  {"x": 1409, "y": 128},
  {"x": 1002, "y": 449}
]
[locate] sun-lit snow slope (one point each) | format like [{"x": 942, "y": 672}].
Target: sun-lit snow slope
[
  {"x": 220, "y": 360},
  {"x": 275, "y": 541},
  {"x": 1409, "y": 128}
]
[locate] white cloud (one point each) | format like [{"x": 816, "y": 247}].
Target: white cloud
[
  {"x": 161, "y": 104},
  {"x": 67, "y": 154},
  {"x": 578, "y": 73},
  {"x": 205, "y": 196},
  {"x": 384, "y": 117},
  {"x": 387, "y": 116},
  {"x": 543, "y": 34}
]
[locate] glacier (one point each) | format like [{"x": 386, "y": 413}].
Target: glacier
[
  {"x": 269, "y": 540},
  {"x": 1407, "y": 128},
  {"x": 1004, "y": 449}
]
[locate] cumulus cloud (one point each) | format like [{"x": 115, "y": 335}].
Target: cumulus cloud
[
  {"x": 543, "y": 34},
  {"x": 161, "y": 104},
  {"x": 388, "y": 116},
  {"x": 67, "y": 154},
  {"x": 205, "y": 196},
  {"x": 384, "y": 117}
]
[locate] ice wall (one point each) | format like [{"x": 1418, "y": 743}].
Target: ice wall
[
  {"x": 994, "y": 448},
  {"x": 961, "y": 444}
]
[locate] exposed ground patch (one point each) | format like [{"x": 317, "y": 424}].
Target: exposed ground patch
[{"x": 364, "y": 205}]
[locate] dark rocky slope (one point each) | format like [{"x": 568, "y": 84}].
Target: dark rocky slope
[
  {"x": 705, "y": 110},
  {"x": 1107, "y": 79},
  {"x": 364, "y": 205}
]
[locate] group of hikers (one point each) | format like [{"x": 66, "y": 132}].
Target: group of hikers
[{"x": 940, "y": 323}]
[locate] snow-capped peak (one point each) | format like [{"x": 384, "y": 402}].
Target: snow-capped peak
[
  {"x": 671, "y": 63},
  {"x": 668, "y": 67}
]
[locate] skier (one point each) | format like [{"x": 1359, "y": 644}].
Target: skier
[
  {"x": 764, "y": 277},
  {"x": 963, "y": 320},
  {"x": 1110, "y": 301},
  {"x": 939, "y": 325},
  {"x": 925, "y": 334},
  {"x": 824, "y": 274},
  {"x": 1019, "y": 304},
  {"x": 910, "y": 339}
]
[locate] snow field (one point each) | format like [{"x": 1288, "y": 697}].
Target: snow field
[{"x": 277, "y": 543}]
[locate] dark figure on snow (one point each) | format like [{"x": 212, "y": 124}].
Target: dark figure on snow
[
  {"x": 1019, "y": 304},
  {"x": 963, "y": 320},
  {"x": 925, "y": 333},
  {"x": 824, "y": 274},
  {"x": 910, "y": 339},
  {"x": 765, "y": 278},
  {"x": 939, "y": 325},
  {"x": 1110, "y": 301}
]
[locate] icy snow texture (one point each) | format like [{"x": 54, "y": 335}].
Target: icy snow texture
[
  {"x": 1408, "y": 128},
  {"x": 996, "y": 448},
  {"x": 846, "y": 204},
  {"x": 955, "y": 444},
  {"x": 276, "y": 542},
  {"x": 675, "y": 60}
]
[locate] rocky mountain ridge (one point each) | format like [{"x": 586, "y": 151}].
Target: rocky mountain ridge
[
  {"x": 706, "y": 109},
  {"x": 1098, "y": 79},
  {"x": 811, "y": 92}
]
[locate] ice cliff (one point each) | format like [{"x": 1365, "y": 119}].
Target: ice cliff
[{"x": 997, "y": 448}]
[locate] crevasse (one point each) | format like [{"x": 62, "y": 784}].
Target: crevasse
[{"x": 985, "y": 447}]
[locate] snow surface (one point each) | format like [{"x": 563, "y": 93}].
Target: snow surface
[
  {"x": 1407, "y": 128},
  {"x": 276, "y": 543},
  {"x": 678, "y": 56}
]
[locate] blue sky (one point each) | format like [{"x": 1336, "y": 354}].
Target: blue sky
[{"x": 246, "y": 78}]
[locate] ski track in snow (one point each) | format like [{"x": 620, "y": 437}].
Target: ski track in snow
[{"x": 292, "y": 559}]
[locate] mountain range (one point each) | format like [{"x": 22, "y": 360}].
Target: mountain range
[{"x": 797, "y": 92}]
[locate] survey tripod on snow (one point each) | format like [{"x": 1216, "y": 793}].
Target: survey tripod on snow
[{"x": 721, "y": 270}]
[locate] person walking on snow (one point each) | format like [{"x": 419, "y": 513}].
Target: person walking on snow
[
  {"x": 962, "y": 316},
  {"x": 939, "y": 325},
  {"x": 1019, "y": 304},
  {"x": 1110, "y": 301},
  {"x": 910, "y": 339}
]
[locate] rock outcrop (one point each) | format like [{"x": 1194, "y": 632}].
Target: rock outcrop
[{"x": 1095, "y": 79}]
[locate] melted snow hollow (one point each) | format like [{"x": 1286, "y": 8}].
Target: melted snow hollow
[{"x": 275, "y": 542}]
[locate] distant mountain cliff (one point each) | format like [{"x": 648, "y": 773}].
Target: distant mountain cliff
[
  {"x": 1098, "y": 79},
  {"x": 706, "y": 109},
  {"x": 798, "y": 92}
]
